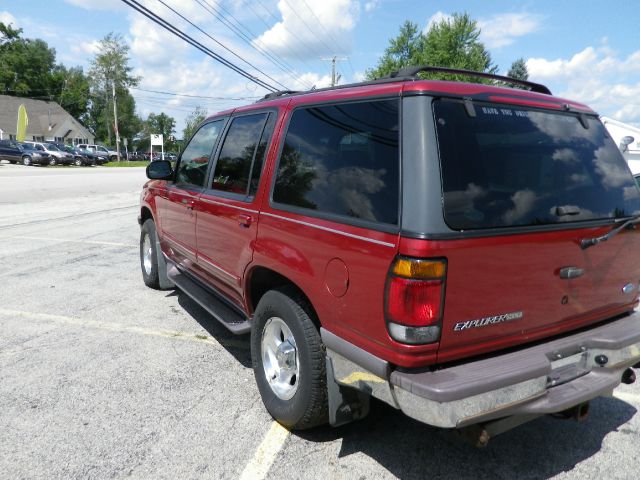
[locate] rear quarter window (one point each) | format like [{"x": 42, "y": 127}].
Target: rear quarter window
[{"x": 342, "y": 160}]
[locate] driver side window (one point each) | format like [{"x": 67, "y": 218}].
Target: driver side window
[{"x": 195, "y": 158}]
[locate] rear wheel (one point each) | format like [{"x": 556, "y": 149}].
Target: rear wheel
[
  {"x": 26, "y": 160},
  {"x": 288, "y": 360},
  {"x": 52, "y": 161},
  {"x": 148, "y": 254}
]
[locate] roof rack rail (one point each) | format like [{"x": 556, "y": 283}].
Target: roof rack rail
[
  {"x": 279, "y": 93},
  {"x": 413, "y": 71}
]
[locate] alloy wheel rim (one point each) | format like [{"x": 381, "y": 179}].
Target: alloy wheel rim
[
  {"x": 147, "y": 253},
  {"x": 280, "y": 358}
]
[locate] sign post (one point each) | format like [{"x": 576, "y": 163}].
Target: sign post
[{"x": 157, "y": 139}]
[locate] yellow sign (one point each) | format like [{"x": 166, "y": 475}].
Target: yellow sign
[{"x": 23, "y": 121}]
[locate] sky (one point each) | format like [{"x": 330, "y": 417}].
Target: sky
[{"x": 586, "y": 50}]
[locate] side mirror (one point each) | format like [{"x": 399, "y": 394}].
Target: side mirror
[
  {"x": 625, "y": 142},
  {"x": 160, "y": 170}
]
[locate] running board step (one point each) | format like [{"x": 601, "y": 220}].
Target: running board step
[{"x": 208, "y": 300}]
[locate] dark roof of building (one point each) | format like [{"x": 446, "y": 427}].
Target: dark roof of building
[{"x": 42, "y": 115}]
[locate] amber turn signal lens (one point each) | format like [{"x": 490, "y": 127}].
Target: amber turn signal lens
[{"x": 423, "y": 269}]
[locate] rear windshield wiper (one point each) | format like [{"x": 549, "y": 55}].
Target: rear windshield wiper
[{"x": 590, "y": 242}]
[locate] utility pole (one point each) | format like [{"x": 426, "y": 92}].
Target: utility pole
[
  {"x": 334, "y": 79},
  {"x": 115, "y": 118}
]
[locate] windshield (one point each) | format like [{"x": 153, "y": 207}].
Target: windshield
[
  {"x": 512, "y": 166},
  {"x": 51, "y": 146}
]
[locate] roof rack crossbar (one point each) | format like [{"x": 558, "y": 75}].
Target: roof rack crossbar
[
  {"x": 413, "y": 71},
  {"x": 279, "y": 93}
]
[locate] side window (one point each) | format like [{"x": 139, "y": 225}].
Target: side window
[
  {"x": 239, "y": 163},
  {"x": 342, "y": 160},
  {"x": 195, "y": 157}
]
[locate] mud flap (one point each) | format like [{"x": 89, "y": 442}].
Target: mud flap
[
  {"x": 163, "y": 279},
  {"x": 345, "y": 404}
]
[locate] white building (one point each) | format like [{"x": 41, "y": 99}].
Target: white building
[{"x": 618, "y": 131}]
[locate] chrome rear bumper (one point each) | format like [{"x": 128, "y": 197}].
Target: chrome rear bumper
[{"x": 545, "y": 378}]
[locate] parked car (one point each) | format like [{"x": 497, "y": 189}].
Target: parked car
[
  {"x": 10, "y": 150},
  {"x": 137, "y": 156},
  {"x": 100, "y": 157},
  {"x": 56, "y": 156},
  {"x": 30, "y": 155},
  {"x": 463, "y": 252},
  {"x": 112, "y": 155},
  {"x": 80, "y": 157}
]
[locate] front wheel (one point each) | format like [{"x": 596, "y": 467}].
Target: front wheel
[
  {"x": 148, "y": 255},
  {"x": 52, "y": 162},
  {"x": 288, "y": 360},
  {"x": 78, "y": 162}
]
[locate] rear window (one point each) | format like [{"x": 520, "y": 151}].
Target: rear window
[{"x": 510, "y": 166}]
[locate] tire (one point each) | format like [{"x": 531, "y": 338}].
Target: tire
[
  {"x": 26, "y": 161},
  {"x": 13, "y": 162},
  {"x": 52, "y": 162},
  {"x": 294, "y": 387},
  {"x": 148, "y": 255},
  {"x": 78, "y": 162}
]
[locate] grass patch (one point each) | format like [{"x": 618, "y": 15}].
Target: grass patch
[
  {"x": 201, "y": 337},
  {"x": 132, "y": 163}
]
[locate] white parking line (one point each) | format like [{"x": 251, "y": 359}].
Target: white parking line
[
  {"x": 118, "y": 327},
  {"x": 627, "y": 397},
  {"x": 67, "y": 240},
  {"x": 266, "y": 454}
]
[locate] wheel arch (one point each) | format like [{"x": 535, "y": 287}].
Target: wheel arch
[
  {"x": 145, "y": 214},
  {"x": 262, "y": 279}
]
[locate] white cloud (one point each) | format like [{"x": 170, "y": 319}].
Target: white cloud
[
  {"x": 8, "y": 19},
  {"x": 97, "y": 4},
  {"x": 324, "y": 30},
  {"x": 371, "y": 5},
  {"x": 597, "y": 76},
  {"x": 503, "y": 29}
]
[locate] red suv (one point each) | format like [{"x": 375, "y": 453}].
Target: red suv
[{"x": 466, "y": 253}]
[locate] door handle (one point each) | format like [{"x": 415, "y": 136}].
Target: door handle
[
  {"x": 567, "y": 273},
  {"x": 245, "y": 220}
]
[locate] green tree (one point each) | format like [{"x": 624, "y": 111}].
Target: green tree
[
  {"x": 110, "y": 70},
  {"x": 8, "y": 33},
  {"x": 25, "y": 64},
  {"x": 193, "y": 120},
  {"x": 28, "y": 68},
  {"x": 519, "y": 70},
  {"x": 451, "y": 42},
  {"x": 403, "y": 51},
  {"x": 73, "y": 92}
]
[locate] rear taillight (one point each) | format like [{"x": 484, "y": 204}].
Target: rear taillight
[{"x": 414, "y": 299}]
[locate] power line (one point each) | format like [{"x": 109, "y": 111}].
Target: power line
[
  {"x": 221, "y": 44},
  {"x": 264, "y": 22},
  {"x": 328, "y": 34},
  {"x": 306, "y": 24},
  {"x": 180, "y": 34},
  {"x": 237, "y": 30},
  {"x": 193, "y": 96},
  {"x": 306, "y": 44}
]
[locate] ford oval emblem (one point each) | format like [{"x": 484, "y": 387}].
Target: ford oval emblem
[{"x": 628, "y": 288}]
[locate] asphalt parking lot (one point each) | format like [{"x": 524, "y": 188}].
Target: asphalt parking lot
[{"x": 101, "y": 377}]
